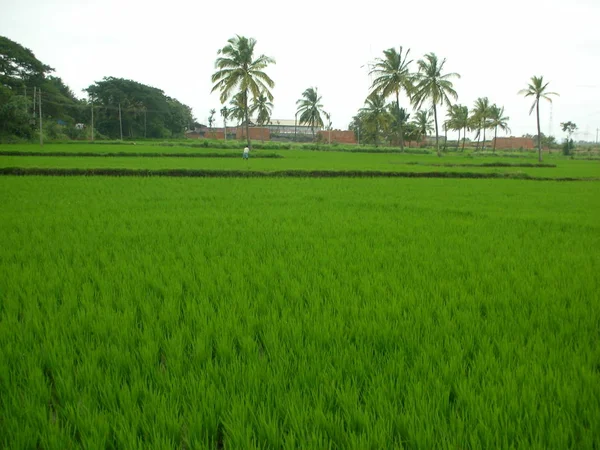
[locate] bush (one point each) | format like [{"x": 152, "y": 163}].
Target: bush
[{"x": 568, "y": 147}]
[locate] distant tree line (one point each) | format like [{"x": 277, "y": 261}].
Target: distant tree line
[{"x": 24, "y": 80}]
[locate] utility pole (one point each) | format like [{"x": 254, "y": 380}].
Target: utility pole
[
  {"x": 34, "y": 94},
  {"x": 144, "y": 123},
  {"x": 120, "y": 121},
  {"x": 92, "y": 101},
  {"x": 296, "y": 127},
  {"x": 40, "y": 110}
]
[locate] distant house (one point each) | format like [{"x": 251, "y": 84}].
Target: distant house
[{"x": 513, "y": 143}]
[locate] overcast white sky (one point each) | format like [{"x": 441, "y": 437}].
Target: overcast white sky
[{"x": 495, "y": 46}]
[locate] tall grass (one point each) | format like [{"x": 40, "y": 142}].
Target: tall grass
[{"x": 162, "y": 313}]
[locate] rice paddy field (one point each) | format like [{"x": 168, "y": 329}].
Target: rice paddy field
[
  {"x": 263, "y": 160},
  {"x": 154, "y": 312}
]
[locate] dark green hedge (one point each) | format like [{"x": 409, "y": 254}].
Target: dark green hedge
[
  {"x": 140, "y": 155},
  {"x": 19, "y": 171}
]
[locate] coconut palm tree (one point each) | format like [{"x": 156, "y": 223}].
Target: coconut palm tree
[
  {"x": 310, "y": 109},
  {"x": 392, "y": 76},
  {"x": 459, "y": 120},
  {"x": 537, "y": 89},
  {"x": 238, "y": 70},
  {"x": 237, "y": 111},
  {"x": 412, "y": 133},
  {"x": 399, "y": 121},
  {"x": 498, "y": 120},
  {"x": 423, "y": 123},
  {"x": 434, "y": 85},
  {"x": 225, "y": 114},
  {"x": 475, "y": 124},
  {"x": 376, "y": 114},
  {"x": 263, "y": 107},
  {"x": 481, "y": 113}
]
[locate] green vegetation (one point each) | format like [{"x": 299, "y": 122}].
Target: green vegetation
[
  {"x": 392, "y": 75},
  {"x": 310, "y": 109},
  {"x": 169, "y": 294},
  {"x": 570, "y": 128},
  {"x": 162, "y": 313},
  {"x": 122, "y": 108},
  {"x": 538, "y": 90},
  {"x": 238, "y": 70},
  {"x": 192, "y": 158}
]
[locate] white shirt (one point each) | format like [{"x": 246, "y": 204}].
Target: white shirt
[{"x": 246, "y": 151}]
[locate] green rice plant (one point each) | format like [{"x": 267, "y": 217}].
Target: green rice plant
[{"x": 299, "y": 313}]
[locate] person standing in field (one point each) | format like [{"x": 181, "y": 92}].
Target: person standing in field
[{"x": 246, "y": 152}]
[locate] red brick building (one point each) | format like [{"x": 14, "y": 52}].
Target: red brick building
[
  {"x": 338, "y": 136},
  {"x": 513, "y": 143}
]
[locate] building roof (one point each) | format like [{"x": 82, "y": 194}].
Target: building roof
[{"x": 283, "y": 122}]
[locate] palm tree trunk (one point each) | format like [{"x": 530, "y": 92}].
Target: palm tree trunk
[
  {"x": 478, "y": 139},
  {"x": 247, "y": 119},
  {"x": 399, "y": 122},
  {"x": 495, "y": 137},
  {"x": 437, "y": 144},
  {"x": 224, "y": 128},
  {"x": 483, "y": 143},
  {"x": 445, "y": 136},
  {"x": 464, "y": 138},
  {"x": 458, "y": 140},
  {"x": 539, "y": 133}
]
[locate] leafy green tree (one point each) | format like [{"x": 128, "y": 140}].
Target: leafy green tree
[
  {"x": 392, "y": 76},
  {"x": 376, "y": 116},
  {"x": 262, "y": 107},
  {"x": 225, "y": 114},
  {"x": 569, "y": 128},
  {"x": 498, "y": 120},
  {"x": 310, "y": 109},
  {"x": 238, "y": 70},
  {"x": 549, "y": 141},
  {"x": 358, "y": 125},
  {"x": 423, "y": 123},
  {"x": 20, "y": 73},
  {"x": 538, "y": 90},
  {"x": 142, "y": 107},
  {"x": 19, "y": 67},
  {"x": 14, "y": 119},
  {"x": 432, "y": 84}
]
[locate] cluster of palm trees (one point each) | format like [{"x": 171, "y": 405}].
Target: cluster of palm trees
[
  {"x": 428, "y": 86},
  {"x": 240, "y": 78},
  {"x": 392, "y": 76},
  {"x": 484, "y": 116}
]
